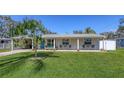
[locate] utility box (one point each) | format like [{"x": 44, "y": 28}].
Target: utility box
[{"x": 107, "y": 44}]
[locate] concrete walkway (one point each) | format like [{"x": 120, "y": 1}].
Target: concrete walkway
[{"x": 14, "y": 52}]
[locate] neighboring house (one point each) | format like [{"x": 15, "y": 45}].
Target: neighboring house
[
  {"x": 120, "y": 42},
  {"x": 5, "y": 43},
  {"x": 73, "y": 42},
  {"x": 118, "y": 36}
]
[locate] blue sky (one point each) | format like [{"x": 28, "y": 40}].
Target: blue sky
[{"x": 63, "y": 24}]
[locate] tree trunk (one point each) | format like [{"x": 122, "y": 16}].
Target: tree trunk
[{"x": 36, "y": 46}]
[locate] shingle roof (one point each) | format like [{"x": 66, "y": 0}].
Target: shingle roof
[{"x": 72, "y": 36}]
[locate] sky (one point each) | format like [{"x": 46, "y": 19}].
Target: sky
[{"x": 65, "y": 24}]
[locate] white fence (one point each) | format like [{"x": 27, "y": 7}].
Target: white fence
[{"x": 107, "y": 45}]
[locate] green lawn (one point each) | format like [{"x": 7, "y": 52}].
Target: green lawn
[
  {"x": 4, "y": 50},
  {"x": 63, "y": 64}
]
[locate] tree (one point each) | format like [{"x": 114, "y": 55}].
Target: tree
[
  {"x": 109, "y": 35},
  {"x": 35, "y": 29},
  {"x": 77, "y": 32},
  {"x": 20, "y": 29},
  {"x": 89, "y": 30},
  {"x": 120, "y": 30},
  {"x": 7, "y": 26},
  {"x": 46, "y": 31},
  {"x": 121, "y": 26}
]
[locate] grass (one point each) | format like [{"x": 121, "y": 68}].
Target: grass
[
  {"x": 4, "y": 50},
  {"x": 64, "y": 64}
]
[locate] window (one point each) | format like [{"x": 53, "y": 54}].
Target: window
[
  {"x": 87, "y": 41},
  {"x": 50, "y": 43},
  {"x": 65, "y": 42}
]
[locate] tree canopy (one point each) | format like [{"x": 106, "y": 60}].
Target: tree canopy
[
  {"x": 11, "y": 28},
  {"x": 7, "y": 25},
  {"x": 121, "y": 26},
  {"x": 87, "y": 30},
  {"x": 31, "y": 27}
]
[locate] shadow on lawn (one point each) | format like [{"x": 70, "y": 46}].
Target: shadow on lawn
[
  {"x": 39, "y": 64},
  {"x": 13, "y": 62},
  {"x": 45, "y": 55}
]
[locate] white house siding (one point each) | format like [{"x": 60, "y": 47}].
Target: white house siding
[
  {"x": 76, "y": 41},
  {"x": 94, "y": 41},
  {"x": 72, "y": 43},
  {"x": 81, "y": 43},
  {"x": 58, "y": 43}
]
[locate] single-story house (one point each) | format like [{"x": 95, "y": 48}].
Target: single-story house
[
  {"x": 73, "y": 41},
  {"x": 64, "y": 42}
]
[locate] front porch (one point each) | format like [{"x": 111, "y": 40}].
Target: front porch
[{"x": 72, "y": 43}]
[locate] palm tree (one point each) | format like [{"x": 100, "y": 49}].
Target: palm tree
[{"x": 89, "y": 30}]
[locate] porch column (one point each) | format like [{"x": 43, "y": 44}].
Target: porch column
[
  {"x": 78, "y": 44},
  {"x": 54, "y": 43},
  {"x": 11, "y": 44},
  {"x": 103, "y": 44},
  {"x": 32, "y": 43},
  {"x": 45, "y": 43}
]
